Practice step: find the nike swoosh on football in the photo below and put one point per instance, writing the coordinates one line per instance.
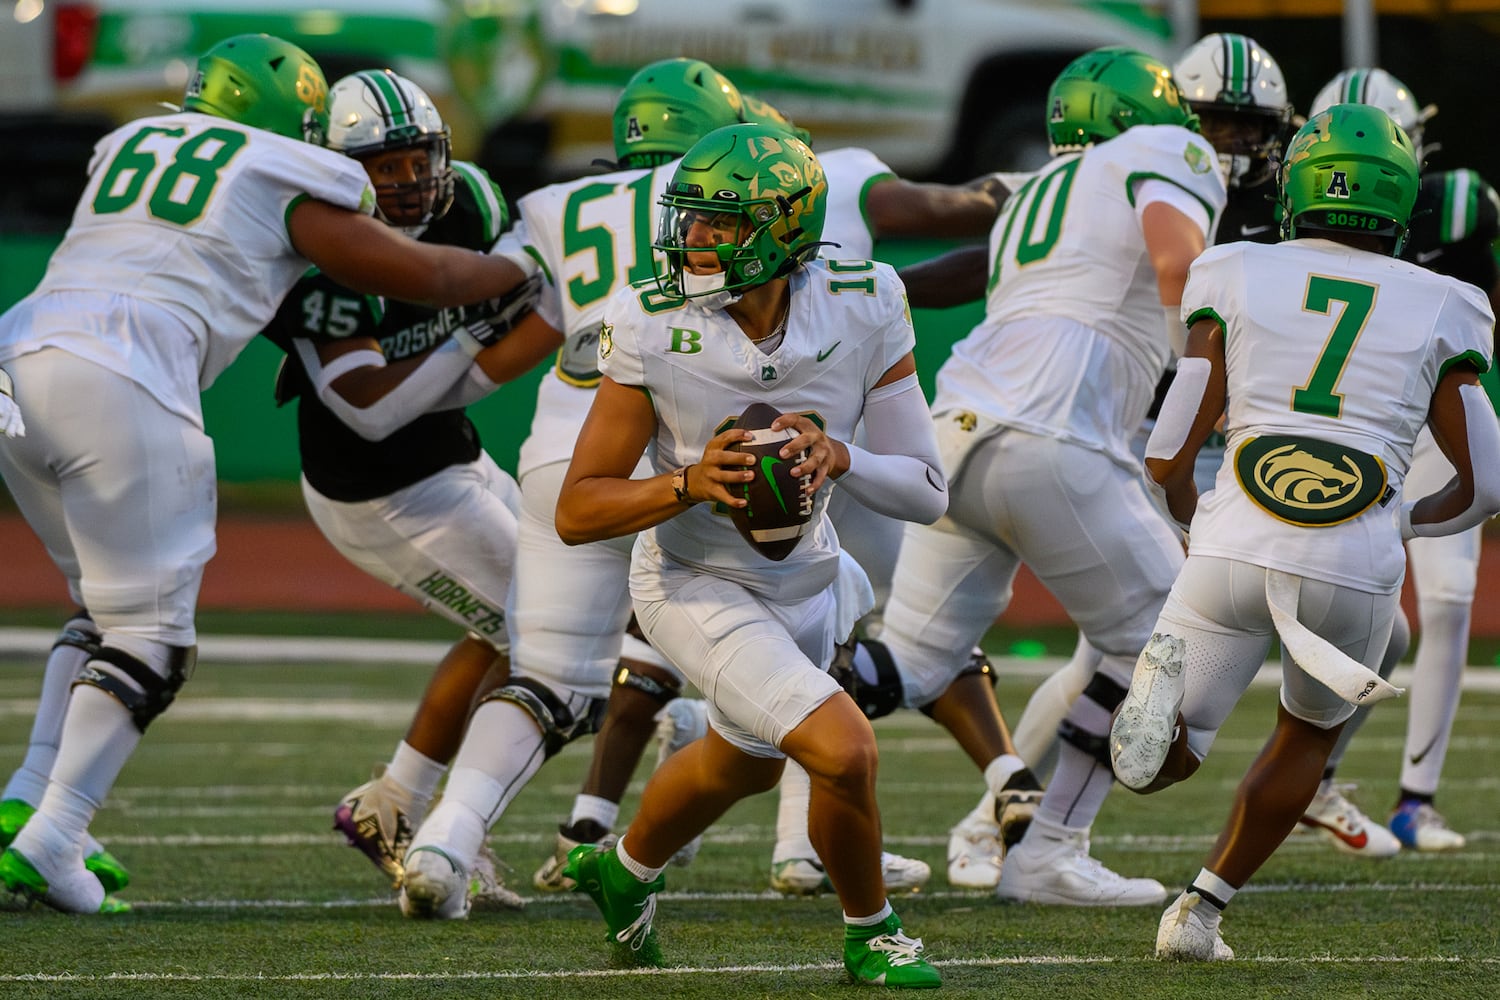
(823, 355)
(767, 469)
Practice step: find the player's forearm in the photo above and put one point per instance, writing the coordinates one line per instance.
(957, 277)
(1472, 496)
(593, 508)
(900, 475)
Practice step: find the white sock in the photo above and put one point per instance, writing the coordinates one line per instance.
(504, 747)
(870, 921)
(1213, 886)
(69, 810)
(1035, 733)
(29, 782)
(98, 737)
(998, 771)
(795, 793)
(596, 810)
(415, 772)
(1437, 682)
(634, 867)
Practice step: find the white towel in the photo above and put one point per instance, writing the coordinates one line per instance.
(1342, 674)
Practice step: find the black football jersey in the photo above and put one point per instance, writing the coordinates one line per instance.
(339, 463)
(1454, 223)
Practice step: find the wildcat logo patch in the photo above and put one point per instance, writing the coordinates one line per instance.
(1308, 482)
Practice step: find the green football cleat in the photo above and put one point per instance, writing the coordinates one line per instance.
(13, 815)
(106, 867)
(884, 956)
(20, 876)
(627, 903)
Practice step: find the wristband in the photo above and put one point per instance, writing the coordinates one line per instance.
(679, 485)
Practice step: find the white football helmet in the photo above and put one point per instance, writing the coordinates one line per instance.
(377, 111)
(1382, 90)
(1239, 95)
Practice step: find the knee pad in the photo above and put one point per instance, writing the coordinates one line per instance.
(133, 683)
(1107, 694)
(557, 722)
(662, 692)
(80, 633)
(877, 699)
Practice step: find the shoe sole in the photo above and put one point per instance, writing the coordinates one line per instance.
(1142, 733)
(425, 898)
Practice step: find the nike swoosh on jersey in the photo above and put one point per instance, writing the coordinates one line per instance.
(1428, 256)
(1254, 230)
(823, 355)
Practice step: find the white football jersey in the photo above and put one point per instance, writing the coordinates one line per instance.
(850, 171)
(593, 237)
(1338, 345)
(848, 324)
(1073, 340)
(178, 252)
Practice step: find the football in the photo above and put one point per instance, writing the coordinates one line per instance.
(778, 512)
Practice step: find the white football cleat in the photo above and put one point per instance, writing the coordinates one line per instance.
(1189, 931)
(550, 876)
(806, 877)
(487, 888)
(1046, 868)
(1343, 825)
(903, 874)
(1145, 725)
(436, 886)
(975, 854)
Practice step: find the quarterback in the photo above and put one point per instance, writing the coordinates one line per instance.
(746, 313)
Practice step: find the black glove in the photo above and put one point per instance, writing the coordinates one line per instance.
(482, 324)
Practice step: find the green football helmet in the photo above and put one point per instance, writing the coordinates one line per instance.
(1350, 169)
(771, 185)
(766, 113)
(264, 82)
(1104, 92)
(669, 105)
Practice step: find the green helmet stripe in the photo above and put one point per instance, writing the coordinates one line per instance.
(1460, 207)
(392, 103)
(1236, 65)
(1358, 80)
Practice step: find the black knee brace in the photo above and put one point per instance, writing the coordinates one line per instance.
(1107, 694)
(557, 722)
(79, 633)
(981, 665)
(625, 677)
(144, 693)
(875, 700)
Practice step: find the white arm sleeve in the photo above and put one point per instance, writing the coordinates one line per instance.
(1484, 459)
(1179, 409)
(900, 475)
(418, 393)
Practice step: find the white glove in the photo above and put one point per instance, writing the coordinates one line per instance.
(11, 424)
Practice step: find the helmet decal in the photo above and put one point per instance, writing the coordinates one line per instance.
(264, 82)
(667, 106)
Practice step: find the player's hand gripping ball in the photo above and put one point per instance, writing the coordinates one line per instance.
(778, 512)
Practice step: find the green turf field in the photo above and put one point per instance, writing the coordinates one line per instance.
(242, 890)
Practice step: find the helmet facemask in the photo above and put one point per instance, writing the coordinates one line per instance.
(752, 196)
(391, 126)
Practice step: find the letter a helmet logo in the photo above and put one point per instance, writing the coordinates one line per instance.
(1338, 185)
(633, 130)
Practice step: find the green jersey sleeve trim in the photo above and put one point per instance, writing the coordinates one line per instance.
(1151, 175)
(1480, 363)
(1208, 312)
(864, 195)
(286, 218)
